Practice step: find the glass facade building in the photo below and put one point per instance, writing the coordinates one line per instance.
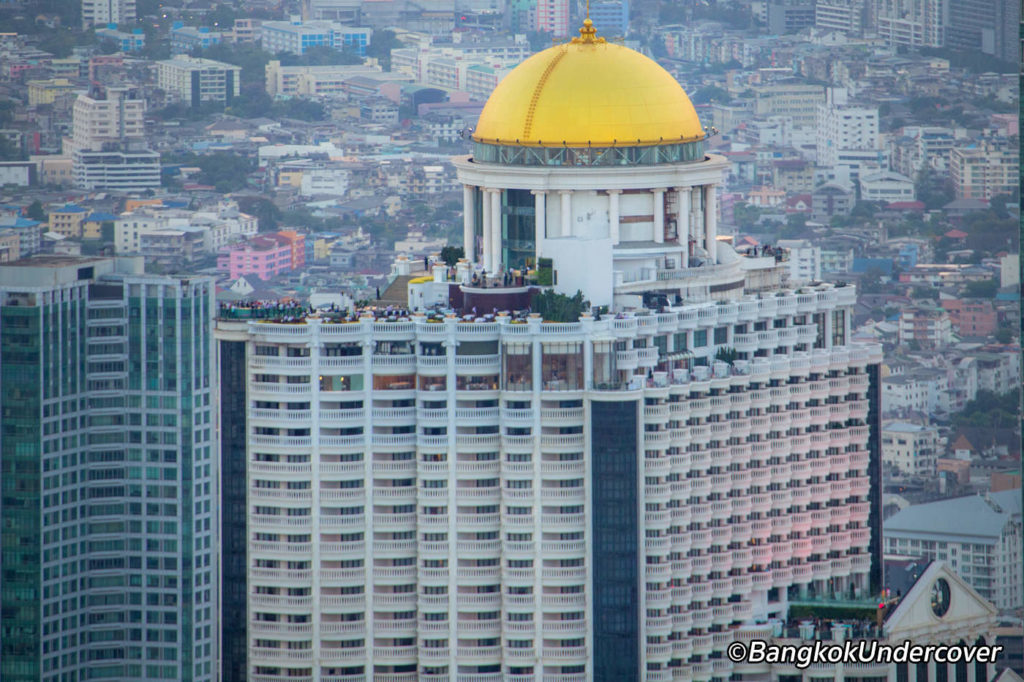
(108, 480)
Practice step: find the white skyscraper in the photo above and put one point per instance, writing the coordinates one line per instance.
(444, 495)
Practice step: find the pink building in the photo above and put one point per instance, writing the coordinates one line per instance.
(265, 256)
(552, 17)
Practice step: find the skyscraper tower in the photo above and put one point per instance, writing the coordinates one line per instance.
(107, 514)
(448, 495)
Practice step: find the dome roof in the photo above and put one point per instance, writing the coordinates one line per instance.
(588, 92)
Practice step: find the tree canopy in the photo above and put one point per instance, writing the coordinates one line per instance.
(555, 307)
(225, 171)
(990, 409)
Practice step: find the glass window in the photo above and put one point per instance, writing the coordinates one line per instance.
(517, 368)
(562, 366)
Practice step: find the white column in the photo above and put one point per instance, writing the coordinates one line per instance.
(496, 229)
(697, 216)
(486, 246)
(711, 221)
(566, 213)
(613, 215)
(540, 216)
(468, 218)
(659, 215)
(683, 222)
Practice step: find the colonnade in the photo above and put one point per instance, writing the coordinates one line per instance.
(693, 204)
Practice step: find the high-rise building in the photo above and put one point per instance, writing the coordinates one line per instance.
(788, 16)
(458, 496)
(107, 147)
(551, 16)
(847, 135)
(990, 26)
(845, 16)
(108, 514)
(611, 15)
(911, 23)
(103, 12)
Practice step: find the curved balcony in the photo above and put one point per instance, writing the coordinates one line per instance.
(782, 577)
(741, 531)
(860, 563)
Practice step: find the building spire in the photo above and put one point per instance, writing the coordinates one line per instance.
(588, 34)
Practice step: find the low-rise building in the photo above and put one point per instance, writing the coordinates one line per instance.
(924, 391)
(320, 80)
(804, 260)
(126, 41)
(46, 91)
(172, 245)
(929, 328)
(67, 220)
(978, 536)
(971, 317)
(910, 448)
(297, 36)
(185, 39)
(983, 171)
(264, 256)
(17, 173)
(10, 245)
(194, 80)
(886, 187)
(128, 170)
(998, 372)
(831, 199)
(219, 225)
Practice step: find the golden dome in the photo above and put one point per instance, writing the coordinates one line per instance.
(588, 92)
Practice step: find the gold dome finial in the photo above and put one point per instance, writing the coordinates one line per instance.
(588, 34)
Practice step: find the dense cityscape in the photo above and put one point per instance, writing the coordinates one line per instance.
(508, 340)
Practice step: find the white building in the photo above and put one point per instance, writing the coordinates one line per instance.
(220, 225)
(194, 80)
(998, 372)
(911, 23)
(107, 146)
(109, 117)
(429, 496)
(886, 187)
(921, 390)
(325, 181)
(1009, 270)
(316, 80)
(296, 36)
(804, 260)
(978, 536)
(127, 171)
(103, 12)
(910, 448)
(467, 67)
(845, 132)
(844, 16)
